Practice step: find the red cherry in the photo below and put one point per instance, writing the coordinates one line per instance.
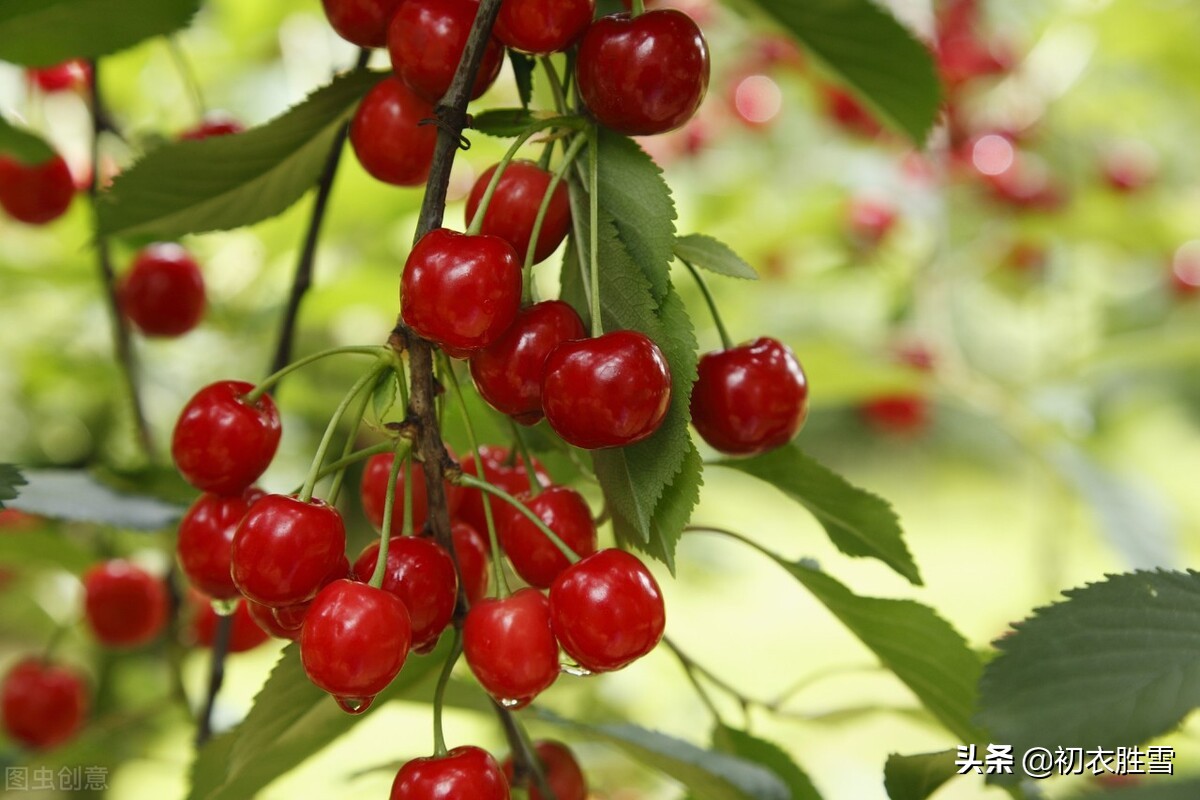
(533, 555)
(501, 469)
(284, 549)
(43, 704)
(125, 606)
(387, 137)
(609, 391)
(508, 372)
(868, 221)
(845, 110)
(1185, 270)
(421, 574)
(750, 399)
(513, 209)
(221, 444)
(355, 640)
(12, 519)
(163, 292)
(464, 772)
(426, 41)
(71, 75)
(509, 646)
(562, 771)
(474, 560)
(607, 610)
(35, 193)
(460, 292)
(215, 123)
(246, 634)
(373, 493)
(1130, 166)
(543, 26)
(643, 75)
(265, 617)
(206, 539)
(361, 22)
(897, 413)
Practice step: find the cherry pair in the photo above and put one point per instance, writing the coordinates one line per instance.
(472, 772)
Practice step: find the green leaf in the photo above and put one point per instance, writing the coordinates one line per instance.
(502, 122)
(1116, 664)
(38, 33)
(383, 398)
(226, 182)
(1167, 790)
(24, 146)
(877, 55)
(522, 67)
(917, 777)
(632, 191)
(713, 255)
(770, 755)
(73, 495)
(707, 774)
(859, 523)
(10, 479)
(43, 545)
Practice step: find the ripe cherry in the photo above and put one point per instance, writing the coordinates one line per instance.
(869, 220)
(215, 123)
(514, 206)
(284, 549)
(388, 138)
(361, 22)
(246, 633)
(460, 292)
(354, 642)
(421, 574)
(206, 539)
(373, 493)
(466, 772)
(221, 443)
(474, 560)
(125, 606)
(35, 193)
(71, 75)
(534, 557)
(897, 413)
(643, 75)
(750, 399)
(265, 617)
(562, 771)
(163, 292)
(508, 372)
(607, 610)
(43, 704)
(426, 41)
(543, 26)
(509, 646)
(500, 468)
(609, 391)
(848, 113)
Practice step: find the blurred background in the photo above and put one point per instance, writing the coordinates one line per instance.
(1001, 333)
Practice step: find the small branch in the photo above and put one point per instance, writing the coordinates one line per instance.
(526, 766)
(216, 676)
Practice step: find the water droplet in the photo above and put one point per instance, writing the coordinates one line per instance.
(509, 703)
(354, 705)
(223, 608)
(572, 668)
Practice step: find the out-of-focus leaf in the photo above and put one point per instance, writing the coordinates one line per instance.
(522, 66)
(10, 479)
(917, 777)
(74, 495)
(39, 33)
(23, 145)
(770, 755)
(708, 253)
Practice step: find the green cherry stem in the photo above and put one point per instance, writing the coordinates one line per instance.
(638, 8)
(556, 86)
(476, 483)
(361, 455)
(339, 475)
(572, 151)
(522, 450)
(266, 383)
(439, 694)
(310, 483)
(406, 526)
(712, 304)
(389, 506)
(593, 136)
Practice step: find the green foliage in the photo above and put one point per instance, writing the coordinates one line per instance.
(75, 495)
(45, 546)
(383, 396)
(917, 777)
(770, 755)
(708, 253)
(10, 479)
(1158, 790)
(226, 182)
(21, 144)
(858, 523)
(522, 67)
(502, 122)
(39, 33)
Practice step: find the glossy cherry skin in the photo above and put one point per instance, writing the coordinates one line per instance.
(535, 558)
(609, 391)
(361, 22)
(460, 292)
(508, 372)
(284, 549)
(215, 123)
(750, 399)
(355, 639)
(499, 469)
(373, 493)
(264, 617)
(388, 138)
(474, 559)
(509, 646)
(464, 772)
(422, 575)
(607, 610)
(205, 541)
(35, 193)
(513, 209)
(543, 26)
(125, 606)
(71, 75)
(643, 75)
(426, 41)
(163, 292)
(562, 772)
(246, 634)
(221, 443)
(43, 704)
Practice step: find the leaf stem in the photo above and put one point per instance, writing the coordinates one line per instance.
(726, 341)
(389, 506)
(310, 483)
(689, 669)
(594, 233)
(439, 694)
(476, 483)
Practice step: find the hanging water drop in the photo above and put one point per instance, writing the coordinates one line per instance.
(354, 705)
(223, 608)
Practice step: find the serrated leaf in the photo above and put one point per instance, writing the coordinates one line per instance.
(859, 523)
(23, 145)
(383, 397)
(10, 479)
(713, 255)
(225, 182)
(522, 67)
(1116, 664)
(770, 755)
(707, 774)
(503, 122)
(73, 495)
(877, 55)
(39, 33)
(917, 777)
